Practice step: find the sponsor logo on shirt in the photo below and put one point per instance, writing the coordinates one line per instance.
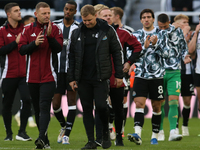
(104, 38)
(33, 35)
(9, 35)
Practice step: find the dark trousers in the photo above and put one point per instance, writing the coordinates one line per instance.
(9, 88)
(117, 96)
(41, 96)
(90, 92)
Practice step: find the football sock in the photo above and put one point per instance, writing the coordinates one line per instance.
(186, 114)
(59, 116)
(162, 115)
(173, 113)
(70, 119)
(156, 119)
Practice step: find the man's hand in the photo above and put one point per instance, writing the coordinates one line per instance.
(126, 67)
(187, 59)
(197, 28)
(176, 25)
(147, 42)
(188, 36)
(40, 39)
(186, 30)
(18, 38)
(131, 69)
(73, 85)
(153, 39)
(118, 82)
(49, 29)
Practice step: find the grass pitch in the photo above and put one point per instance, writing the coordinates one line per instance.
(78, 137)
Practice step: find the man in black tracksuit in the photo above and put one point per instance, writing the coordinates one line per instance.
(92, 45)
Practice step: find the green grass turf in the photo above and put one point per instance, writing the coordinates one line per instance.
(78, 137)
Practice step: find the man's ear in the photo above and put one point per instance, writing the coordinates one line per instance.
(35, 13)
(8, 14)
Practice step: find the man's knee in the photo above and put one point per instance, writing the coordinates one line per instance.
(45, 106)
(156, 105)
(56, 101)
(71, 98)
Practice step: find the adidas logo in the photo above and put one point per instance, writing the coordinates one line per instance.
(9, 35)
(33, 34)
(79, 39)
(178, 91)
(160, 96)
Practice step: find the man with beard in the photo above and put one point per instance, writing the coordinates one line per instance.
(149, 74)
(41, 41)
(67, 25)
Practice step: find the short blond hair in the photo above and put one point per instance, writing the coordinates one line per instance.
(99, 7)
(181, 16)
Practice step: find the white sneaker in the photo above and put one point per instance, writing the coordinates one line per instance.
(62, 133)
(31, 122)
(161, 135)
(185, 131)
(177, 130)
(17, 118)
(112, 134)
(173, 136)
(65, 140)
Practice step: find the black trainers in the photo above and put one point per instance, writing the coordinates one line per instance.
(119, 141)
(106, 143)
(39, 144)
(22, 136)
(8, 137)
(98, 142)
(90, 145)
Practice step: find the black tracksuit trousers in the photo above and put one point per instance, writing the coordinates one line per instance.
(9, 88)
(90, 92)
(41, 96)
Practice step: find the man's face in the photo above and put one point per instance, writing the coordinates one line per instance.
(69, 11)
(147, 20)
(163, 26)
(89, 20)
(183, 23)
(106, 14)
(30, 20)
(43, 15)
(15, 13)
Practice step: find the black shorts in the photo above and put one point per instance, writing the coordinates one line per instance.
(197, 79)
(62, 84)
(187, 85)
(152, 88)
